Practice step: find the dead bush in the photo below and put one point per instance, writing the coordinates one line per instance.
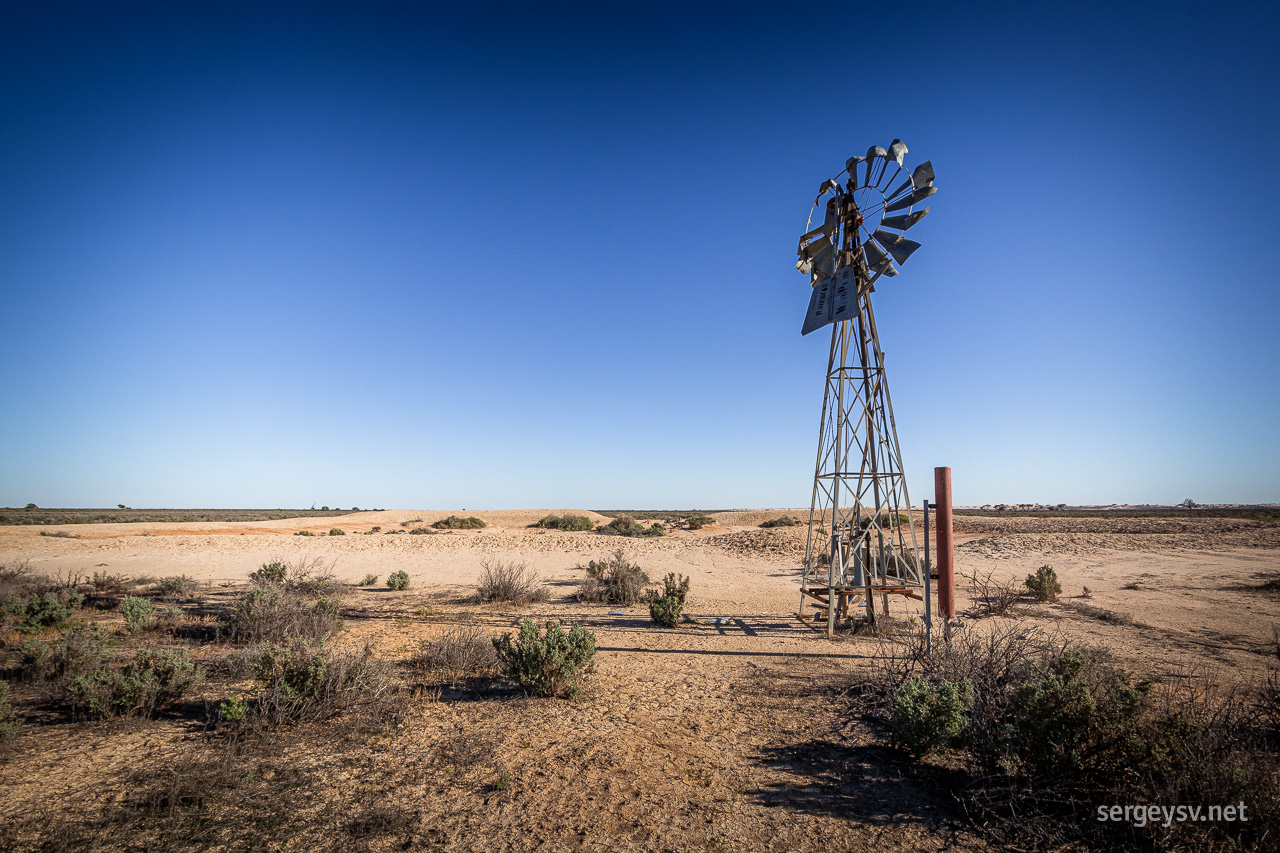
(274, 613)
(509, 581)
(613, 581)
(461, 652)
(995, 598)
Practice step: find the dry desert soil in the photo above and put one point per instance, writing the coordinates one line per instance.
(733, 731)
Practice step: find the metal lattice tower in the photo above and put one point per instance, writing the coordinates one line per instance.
(862, 539)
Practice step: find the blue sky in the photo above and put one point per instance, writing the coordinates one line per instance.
(398, 255)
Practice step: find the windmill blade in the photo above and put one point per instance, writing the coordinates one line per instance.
(923, 175)
(886, 238)
(899, 190)
(875, 257)
(824, 262)
(897, 151)
(874, 153)
(918, 196)
(851, 166)
(811, 250)
(903, 222)
(902, 249)
(885, 268)
(809, 235)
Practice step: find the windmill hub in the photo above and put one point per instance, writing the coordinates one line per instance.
(862, 537)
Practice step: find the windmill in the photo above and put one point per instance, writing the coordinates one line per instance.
(862, 538)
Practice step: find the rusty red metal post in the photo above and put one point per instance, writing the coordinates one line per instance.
(946, 551)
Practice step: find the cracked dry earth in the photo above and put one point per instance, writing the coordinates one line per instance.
(731, 736)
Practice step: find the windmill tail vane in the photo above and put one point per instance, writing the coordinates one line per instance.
(862, 537)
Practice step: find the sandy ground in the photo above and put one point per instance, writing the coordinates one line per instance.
(725, 733)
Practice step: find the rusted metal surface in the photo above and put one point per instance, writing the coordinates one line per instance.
(946, 547)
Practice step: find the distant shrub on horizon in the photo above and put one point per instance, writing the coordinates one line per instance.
(625, 525)
(784, 521)
(568, 522)
(455, 522)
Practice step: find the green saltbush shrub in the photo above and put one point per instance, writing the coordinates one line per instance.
(697, 522)
(41, 608)
(305, 681)
(334, 531)
(152, 680)
(784, 521)
(398, 580)
(665, 609)
(1044, 584)
(137, 613)
(81, 649)
(274, 572)
(551, 663)
(926, 716)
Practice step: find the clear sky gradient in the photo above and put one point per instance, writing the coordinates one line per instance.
(408, 255)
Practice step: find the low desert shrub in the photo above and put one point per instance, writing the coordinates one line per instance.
(697, 522)
(1044, 584)
(275, 572)
(304, 533)
(311, 576)
(9, 719)
(554, 662)
(926, 716)
(463, 651)
(178, 586)
(233, 710)
(369, 580)
(613, 581)
(39, 608)
(665, 609)
(566, 522)
(152, 680)
(80, 649)
(455, 522)
(1051, 728)
(421, 531)
(105, 589)
(274, 614)
(137, 613)
(625, 525)
(334, 531)
(398, 580)
(303, 681)
(509, 581)
(784, 521)
(411, 521)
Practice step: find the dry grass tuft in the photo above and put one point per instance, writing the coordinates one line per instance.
(509, 581)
